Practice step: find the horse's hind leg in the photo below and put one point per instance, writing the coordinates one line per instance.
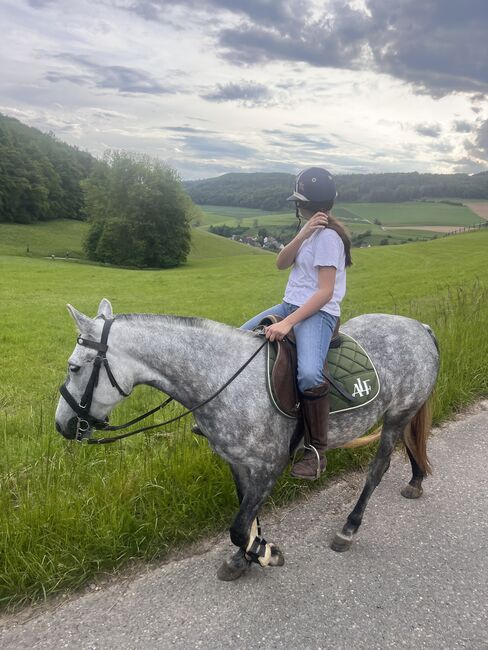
(414, 489)
(253, 488)
(391, 432)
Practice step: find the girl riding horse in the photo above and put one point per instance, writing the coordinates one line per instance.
(318, 255)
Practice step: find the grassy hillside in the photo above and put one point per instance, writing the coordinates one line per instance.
(43, 238)
(149, 494)
(66, 235)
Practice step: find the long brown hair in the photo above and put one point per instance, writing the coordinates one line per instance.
(333, 224)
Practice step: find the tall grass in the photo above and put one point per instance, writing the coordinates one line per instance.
(70, 512)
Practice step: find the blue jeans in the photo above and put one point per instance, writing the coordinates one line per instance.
(313, 336)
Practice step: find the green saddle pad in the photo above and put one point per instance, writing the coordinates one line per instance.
(351, 367)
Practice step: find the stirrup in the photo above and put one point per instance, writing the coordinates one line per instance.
(312, 448)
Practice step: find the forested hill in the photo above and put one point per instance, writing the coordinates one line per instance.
(269, 191)
(39, 175)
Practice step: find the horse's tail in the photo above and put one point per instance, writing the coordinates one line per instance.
(416, 434)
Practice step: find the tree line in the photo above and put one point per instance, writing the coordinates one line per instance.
(269, 191)
(138, 211)
(39, 175)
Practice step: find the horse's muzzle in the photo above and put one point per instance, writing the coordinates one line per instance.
(76, 429)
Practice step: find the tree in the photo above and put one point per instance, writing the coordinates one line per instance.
(139, 212)
(39, 175)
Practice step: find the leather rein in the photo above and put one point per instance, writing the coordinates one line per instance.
(82, 408)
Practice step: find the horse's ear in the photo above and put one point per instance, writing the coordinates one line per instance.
(83, 323)
(105, 309)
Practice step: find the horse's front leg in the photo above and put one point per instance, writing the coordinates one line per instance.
(253, 488)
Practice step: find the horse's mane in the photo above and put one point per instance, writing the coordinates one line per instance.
(186, 320)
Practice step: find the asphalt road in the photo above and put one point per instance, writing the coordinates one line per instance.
(416, 577)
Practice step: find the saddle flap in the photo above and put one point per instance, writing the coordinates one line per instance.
(281, 369)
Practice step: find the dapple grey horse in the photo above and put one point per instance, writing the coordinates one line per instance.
(190, 359)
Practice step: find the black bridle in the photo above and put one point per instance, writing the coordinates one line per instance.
(82, 408)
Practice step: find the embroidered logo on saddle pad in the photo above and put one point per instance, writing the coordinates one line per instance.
(348, 364)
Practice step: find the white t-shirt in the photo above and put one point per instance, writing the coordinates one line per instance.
(322, 248)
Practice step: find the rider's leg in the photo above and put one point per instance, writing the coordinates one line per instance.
(313, 337)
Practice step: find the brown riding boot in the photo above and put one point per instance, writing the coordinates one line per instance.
(315, 409)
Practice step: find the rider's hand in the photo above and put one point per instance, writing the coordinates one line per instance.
(278, 331)
(318, 221)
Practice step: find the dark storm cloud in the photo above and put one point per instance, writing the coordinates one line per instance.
(116, 77)
(247, 92)
(429, 130)
(440, 46)
(268, 12)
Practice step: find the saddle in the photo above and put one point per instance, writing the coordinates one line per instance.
(282, 367)
(348, 369)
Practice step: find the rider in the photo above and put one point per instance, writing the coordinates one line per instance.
(318, 255)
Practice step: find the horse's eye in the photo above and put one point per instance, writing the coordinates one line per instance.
(73, 368)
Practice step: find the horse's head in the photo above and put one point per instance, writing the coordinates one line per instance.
(96, 379)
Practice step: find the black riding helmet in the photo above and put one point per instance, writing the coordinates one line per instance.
(314, 185)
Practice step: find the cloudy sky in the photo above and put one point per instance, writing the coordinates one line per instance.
(213, 86)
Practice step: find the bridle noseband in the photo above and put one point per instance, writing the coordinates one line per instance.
(82, 408)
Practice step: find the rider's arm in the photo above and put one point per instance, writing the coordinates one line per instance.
(288, 254)
(321, 297)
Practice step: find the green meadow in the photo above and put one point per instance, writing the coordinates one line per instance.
(358, 217)
(70, 513)
(414, 213)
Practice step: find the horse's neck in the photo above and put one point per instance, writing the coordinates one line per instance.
(185, 358)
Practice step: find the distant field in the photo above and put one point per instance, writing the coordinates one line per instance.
(359, 217)
(414, 213)
(231, 211)
(480, 208)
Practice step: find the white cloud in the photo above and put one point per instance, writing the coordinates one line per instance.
(148, 76)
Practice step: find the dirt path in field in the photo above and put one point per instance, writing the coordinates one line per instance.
(481, 209)
(431, 228)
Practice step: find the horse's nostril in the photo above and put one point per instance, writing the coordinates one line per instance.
(58, 427)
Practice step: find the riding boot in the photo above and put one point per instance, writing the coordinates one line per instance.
(315, 407)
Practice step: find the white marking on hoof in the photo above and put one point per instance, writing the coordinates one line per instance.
(277, 557)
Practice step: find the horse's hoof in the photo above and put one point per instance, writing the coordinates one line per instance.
(228, 572)
(411, 492)
(341, 543)
(277, 557)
